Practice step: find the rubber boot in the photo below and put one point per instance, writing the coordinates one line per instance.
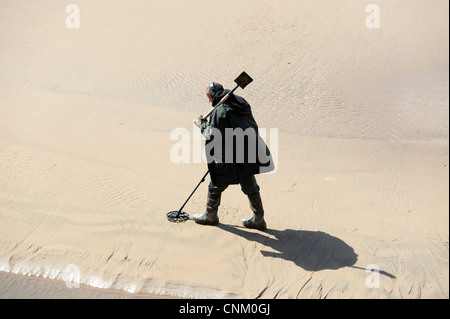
(209, 217)
(257, 221)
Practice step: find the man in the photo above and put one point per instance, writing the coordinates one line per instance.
(236, 155)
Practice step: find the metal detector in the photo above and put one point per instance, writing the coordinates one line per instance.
(179, 216)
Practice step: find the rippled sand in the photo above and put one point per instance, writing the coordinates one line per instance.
(87, 178)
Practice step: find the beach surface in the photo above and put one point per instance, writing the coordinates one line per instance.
(356, 116)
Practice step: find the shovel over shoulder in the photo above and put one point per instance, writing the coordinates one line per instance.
(241, 81)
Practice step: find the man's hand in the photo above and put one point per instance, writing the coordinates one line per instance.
(199, 121)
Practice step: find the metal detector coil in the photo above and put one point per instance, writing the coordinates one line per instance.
(176, 216)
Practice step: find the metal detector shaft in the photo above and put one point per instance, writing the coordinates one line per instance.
(201, 181)
(242, 81)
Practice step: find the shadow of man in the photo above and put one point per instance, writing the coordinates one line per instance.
(310, 250)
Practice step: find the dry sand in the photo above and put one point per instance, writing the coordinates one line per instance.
(87, 178)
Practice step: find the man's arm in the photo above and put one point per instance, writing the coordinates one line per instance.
(207, 128)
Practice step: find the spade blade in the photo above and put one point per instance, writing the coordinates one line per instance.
(243, 80)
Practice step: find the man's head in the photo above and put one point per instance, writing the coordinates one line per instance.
(212, 90)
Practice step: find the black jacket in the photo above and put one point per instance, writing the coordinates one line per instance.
(234, 149)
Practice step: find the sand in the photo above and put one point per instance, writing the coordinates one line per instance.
(357, 208)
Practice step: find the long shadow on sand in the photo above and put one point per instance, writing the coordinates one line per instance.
(310, 250)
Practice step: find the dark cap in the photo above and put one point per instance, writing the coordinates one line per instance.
(214, 88)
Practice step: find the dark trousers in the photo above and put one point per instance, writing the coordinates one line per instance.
(248, 186)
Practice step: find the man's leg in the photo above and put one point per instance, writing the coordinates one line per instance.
(209, 217)
(251, 188)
